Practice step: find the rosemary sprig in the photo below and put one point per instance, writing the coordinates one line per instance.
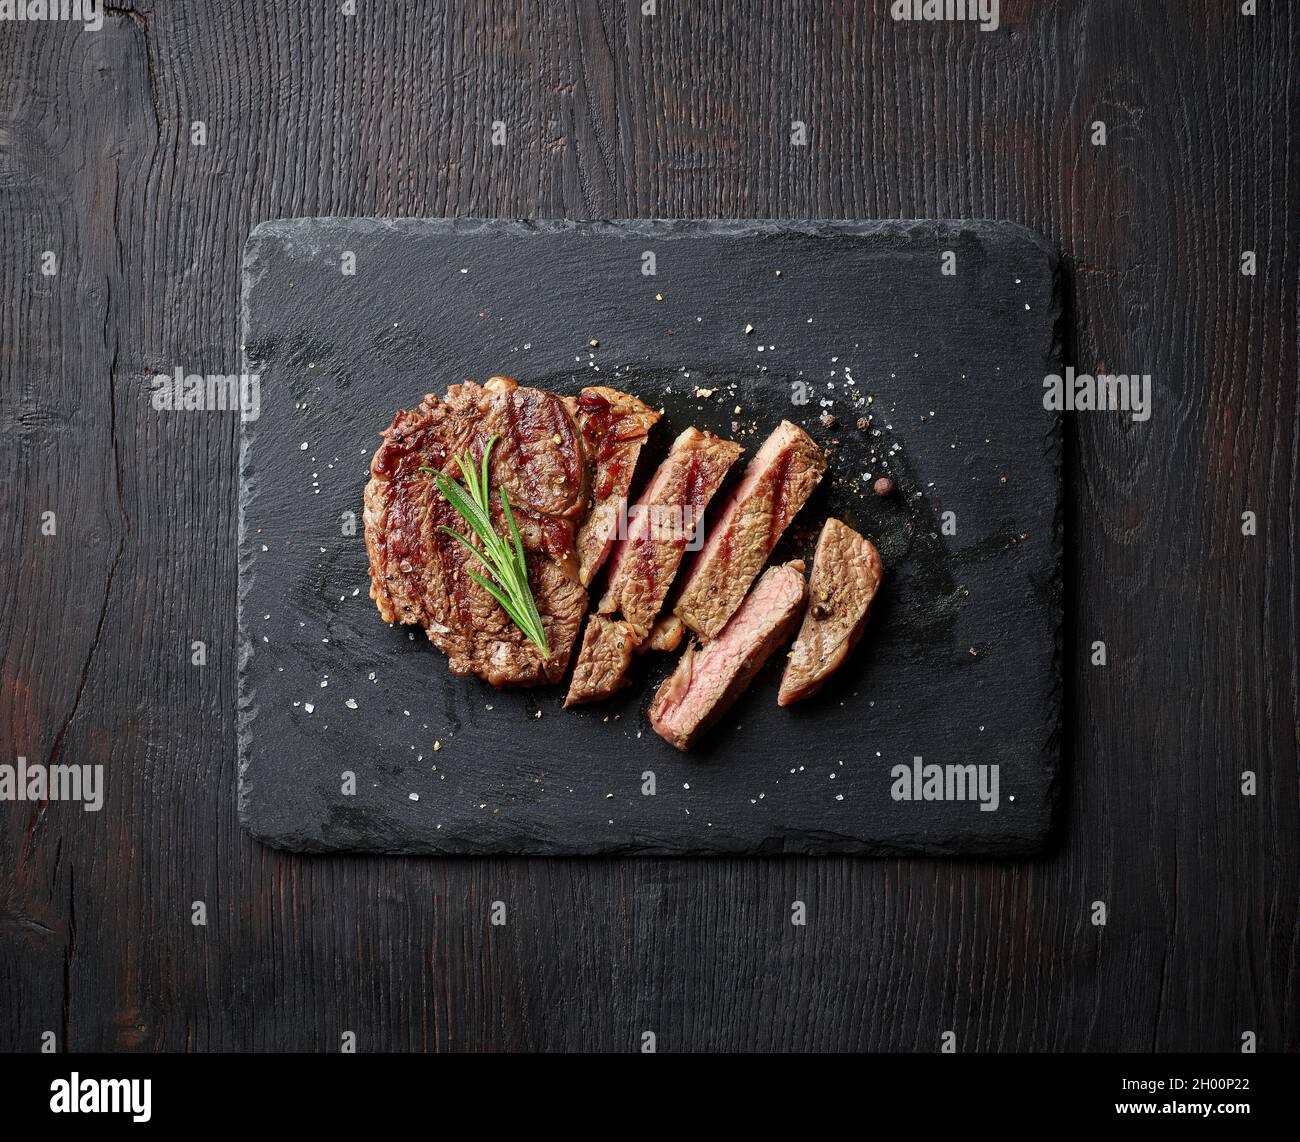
(503, 556)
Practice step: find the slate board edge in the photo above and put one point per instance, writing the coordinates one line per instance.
(1054, 447)
(1025, 843)
(657, 228)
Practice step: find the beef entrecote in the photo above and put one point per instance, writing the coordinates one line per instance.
(846, 575)
(661, 525)
(777, 483)
(614, 427)
(710, 678)
(418, 573)
(645, 561)
(601, 668)
(566, 465)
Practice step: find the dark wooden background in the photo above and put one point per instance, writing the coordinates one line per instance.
(684, 113)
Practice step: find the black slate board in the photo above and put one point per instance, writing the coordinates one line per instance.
(961, 661)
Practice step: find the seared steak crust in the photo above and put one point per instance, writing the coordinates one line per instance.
(645, 562)
(607, 646)
(662, 524)
(614, 427)
(777, 483)
(846, 575)
(709, 679)
(418, 573)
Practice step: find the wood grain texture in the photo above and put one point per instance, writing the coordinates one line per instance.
(686, 113)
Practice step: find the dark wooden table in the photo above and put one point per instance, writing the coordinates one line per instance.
(685, 113)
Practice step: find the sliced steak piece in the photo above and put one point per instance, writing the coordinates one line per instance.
(607, 647)
(778, 481)
(658, 530)
(418, 573)
(661, 525)
(710, 678)
(846, 574)
(614, 426)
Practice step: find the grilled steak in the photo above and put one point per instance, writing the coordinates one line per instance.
(658, 529)
(606, 651)
(846, 574)
(645, 562)
(614, 426)
(778, 481)
(709, 679)
(418, 573)
(662, 523)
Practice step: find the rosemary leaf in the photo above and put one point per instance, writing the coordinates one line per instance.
(501, 556)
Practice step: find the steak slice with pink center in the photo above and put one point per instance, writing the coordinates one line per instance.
(709, 679)
(846, 575)
(777, 483)
(645, 562)
(602, 664)
(661, 525)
